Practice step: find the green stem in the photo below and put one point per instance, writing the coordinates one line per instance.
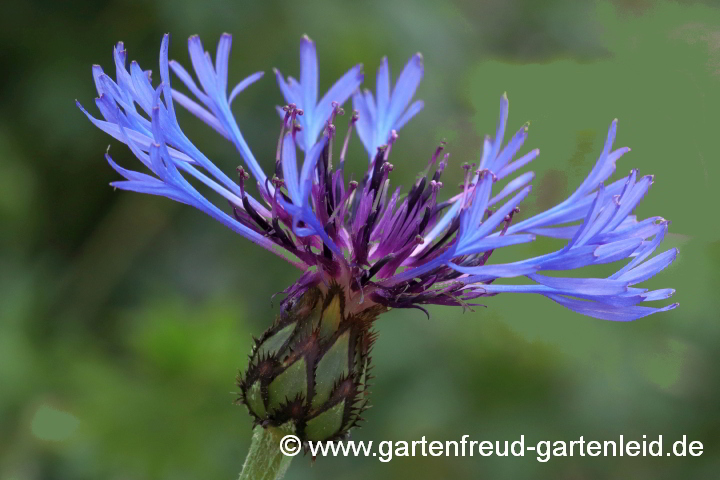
(265, 461)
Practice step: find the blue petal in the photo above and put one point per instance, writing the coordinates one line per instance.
(608, 312)
(649, 268)
(289, 166)
(499, 134)
(244, 84)
(376, 122)
(285, 89)
(364, 125)
(469, 239)
(413, 110)
(130, 174)
(662, 294)
(591, 214)
(165, 75)
(513, 185)
(185, 77)
(493, 271)
(200, 112)
(629, 201)
(383, 88)
(308, 75)
(510, 149)
(159, 189)
(585, 286)
(645, 252)
(143, 89)
(202, 66)
(517, 164)
(340, 92)
(491, 243)
(222, 57)
(618, 250)
(308, 168)
(403, 92)
(470, 219)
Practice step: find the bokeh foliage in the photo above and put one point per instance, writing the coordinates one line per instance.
(123, 318)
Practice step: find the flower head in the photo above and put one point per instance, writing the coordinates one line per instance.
(363, 246)
(382, 246)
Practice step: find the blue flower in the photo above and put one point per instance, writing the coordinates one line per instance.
(378, 119)
(304, 94)
(381, 247)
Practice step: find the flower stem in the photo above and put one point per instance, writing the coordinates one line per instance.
(264, 460)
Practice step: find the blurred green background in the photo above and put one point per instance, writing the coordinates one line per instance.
(124, 318)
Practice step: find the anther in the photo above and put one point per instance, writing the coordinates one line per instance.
(352, 186)
(485, 171)
(290, 111)
(242, 176)
(277, 181)
(330, 130)
(391, 140)
(336, 110)
(346, 142)
(467, 184)
(437, 153)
